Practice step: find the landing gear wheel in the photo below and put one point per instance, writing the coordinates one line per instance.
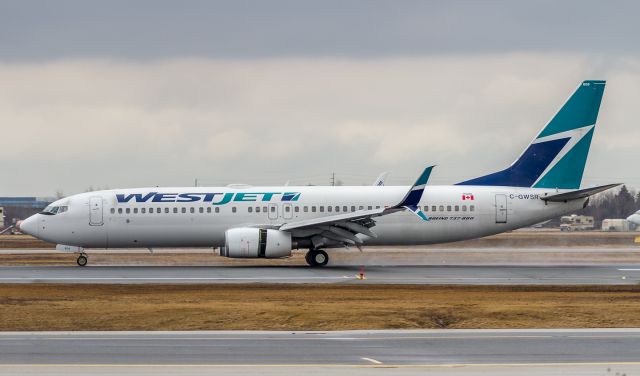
(317, 257)
(82, 260)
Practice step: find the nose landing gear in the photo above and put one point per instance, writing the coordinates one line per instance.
(82, 259)
(316, 257)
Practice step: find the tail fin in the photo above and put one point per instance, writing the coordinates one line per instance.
(557, 156)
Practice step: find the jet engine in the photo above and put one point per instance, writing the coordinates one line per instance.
(247, 242)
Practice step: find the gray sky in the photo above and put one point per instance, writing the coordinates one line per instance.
(139, 93)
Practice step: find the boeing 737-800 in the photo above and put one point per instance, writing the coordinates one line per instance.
(270, 222)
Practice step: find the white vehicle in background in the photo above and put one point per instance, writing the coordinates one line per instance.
(576, 223)
(615, 224)
(270, 222)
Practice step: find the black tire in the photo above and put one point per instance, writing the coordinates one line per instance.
(309, 259)
(82, 260)
(320, 258)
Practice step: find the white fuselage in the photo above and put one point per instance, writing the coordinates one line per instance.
(199, 217)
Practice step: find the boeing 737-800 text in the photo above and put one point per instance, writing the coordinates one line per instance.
(270, 222)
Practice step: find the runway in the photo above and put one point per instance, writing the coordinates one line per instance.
(359, 352)
(475, 275)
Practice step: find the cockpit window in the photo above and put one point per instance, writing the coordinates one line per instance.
(53, 210)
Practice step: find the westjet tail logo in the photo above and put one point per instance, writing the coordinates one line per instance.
(218, 198)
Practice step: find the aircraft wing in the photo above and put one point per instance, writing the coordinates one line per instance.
(342, 229)
(578, 193)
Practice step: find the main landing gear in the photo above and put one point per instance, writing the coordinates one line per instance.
(316, 257)
(82, 259)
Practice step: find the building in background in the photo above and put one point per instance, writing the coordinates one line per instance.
(1, 218)
(16, 208)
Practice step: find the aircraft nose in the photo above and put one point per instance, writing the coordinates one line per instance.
(28, 226)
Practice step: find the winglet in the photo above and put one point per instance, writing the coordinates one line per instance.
(412, 198)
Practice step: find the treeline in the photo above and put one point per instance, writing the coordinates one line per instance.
(612, 204)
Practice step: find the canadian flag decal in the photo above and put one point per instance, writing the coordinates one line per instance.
(467, 196)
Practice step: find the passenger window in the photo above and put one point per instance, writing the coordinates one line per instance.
(264, 209)
(135, 210)
(456, 208)
(353, 208)
(313, 209)
(128, 210)
(273, 209)
(433, 208)
(361, 207)
(377, 206)
(113, 210)
(208, 209)
(471, 207)
(296, 209)
(448, 207)
(175, 210)
(217, 209)
(119, 210)
(233, 209)
(345, 209)
(184, 210)
(464, 208)
(143, 210)
(321, 209)
(192, 210)
(426, 208)
(250, 209)
(257, 209)
(201, 209)
(305, 209)
(337, 209)
(166, 210)
(370, 207)
(441, 208)
(329, 209)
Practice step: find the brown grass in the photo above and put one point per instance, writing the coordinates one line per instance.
(313, 307)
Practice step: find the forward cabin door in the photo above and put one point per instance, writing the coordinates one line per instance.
(95, 211)
(501, 208)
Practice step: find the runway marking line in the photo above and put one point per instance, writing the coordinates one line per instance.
(629, 270)
(374, 361)
(73, 338)
(345, 365)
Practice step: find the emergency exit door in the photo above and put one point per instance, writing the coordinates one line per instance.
(501, 208)
(95, 211)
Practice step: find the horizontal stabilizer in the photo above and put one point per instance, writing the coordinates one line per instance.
(579, 193)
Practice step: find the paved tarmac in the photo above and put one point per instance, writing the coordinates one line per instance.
(349, 352)
(478, 275)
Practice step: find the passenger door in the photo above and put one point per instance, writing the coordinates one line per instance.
(95, 211)
(501, 208)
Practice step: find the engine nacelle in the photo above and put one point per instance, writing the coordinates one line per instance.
(247, 242)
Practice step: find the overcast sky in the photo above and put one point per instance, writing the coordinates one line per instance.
(144, 93)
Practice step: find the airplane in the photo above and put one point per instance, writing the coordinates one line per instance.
(634, 218)
(270, 222)
(379, 182)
